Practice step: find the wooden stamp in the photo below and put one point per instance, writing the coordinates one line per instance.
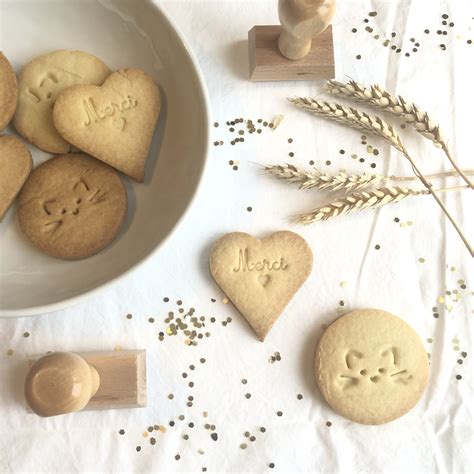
(63, 382)
(300, 49)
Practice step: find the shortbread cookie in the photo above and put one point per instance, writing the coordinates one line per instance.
(15, 166)
(8, 92)
(261, 276)
(40, 82)
(371, 367)
(115, 122)
(72, 206)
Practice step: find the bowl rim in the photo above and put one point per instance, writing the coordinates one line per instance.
(75, 300)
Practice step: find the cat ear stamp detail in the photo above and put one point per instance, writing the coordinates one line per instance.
(72, 206)
(260, 277)
(114, 122)
(371, 367)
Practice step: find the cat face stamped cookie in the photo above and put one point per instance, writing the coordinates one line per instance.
(261, 276)
(114, 122)
(371, 367)
(40, 82)
(72, 206)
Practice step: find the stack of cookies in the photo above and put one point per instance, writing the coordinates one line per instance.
(95, 121)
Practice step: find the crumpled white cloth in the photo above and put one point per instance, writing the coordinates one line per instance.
(436, 436)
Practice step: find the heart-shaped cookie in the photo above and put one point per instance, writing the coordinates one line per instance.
(261, 276)
(8, 91)
(113, 122)
(15, 166)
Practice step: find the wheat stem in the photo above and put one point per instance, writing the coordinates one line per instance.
(379, 97)
(376, 126)
(444, 174)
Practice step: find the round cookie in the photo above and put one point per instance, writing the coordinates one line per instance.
(72, 206)
(40, 82)
(370, 366)
(8, 92)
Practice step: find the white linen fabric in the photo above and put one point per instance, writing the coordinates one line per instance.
(401, 258)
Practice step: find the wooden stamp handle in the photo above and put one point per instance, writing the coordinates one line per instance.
(302, 20)
(60, 382)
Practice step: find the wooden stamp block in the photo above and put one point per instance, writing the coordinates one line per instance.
(266, 63)
(122, 378)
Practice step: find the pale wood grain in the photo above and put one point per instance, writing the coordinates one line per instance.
(267, 64)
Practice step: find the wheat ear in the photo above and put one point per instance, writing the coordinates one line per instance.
(322, 181)
(379, 97)
(357, 202)
(376, 126)
(349, 182)
(363, 200)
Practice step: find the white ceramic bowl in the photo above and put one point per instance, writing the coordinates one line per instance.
(124, 33)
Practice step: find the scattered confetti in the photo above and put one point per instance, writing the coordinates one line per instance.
(276, 357)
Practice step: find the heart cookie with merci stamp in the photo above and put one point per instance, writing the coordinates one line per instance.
(113, 122)
(260, 277)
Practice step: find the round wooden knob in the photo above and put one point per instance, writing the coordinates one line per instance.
(60, 383)
(302, 20)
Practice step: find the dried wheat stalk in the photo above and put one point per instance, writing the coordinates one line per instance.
(353, 117)
(376, 126)
(342, 180)
(322, 181)
(364, 200)
(357, 202)
(377, 96)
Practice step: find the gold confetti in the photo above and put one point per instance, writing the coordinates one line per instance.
(225, 300)
(421, 260)
(10, 352)
(441, 299)
(343, 284)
